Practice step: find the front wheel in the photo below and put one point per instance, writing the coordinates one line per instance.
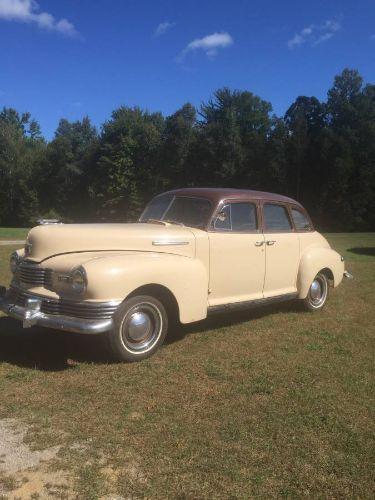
(140, 327)
(318, 293)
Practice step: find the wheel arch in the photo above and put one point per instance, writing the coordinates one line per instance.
(328, 274)
(162, 293)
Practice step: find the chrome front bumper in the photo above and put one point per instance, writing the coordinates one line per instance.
(30, 314)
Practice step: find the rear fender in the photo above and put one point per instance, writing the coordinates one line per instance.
(315, 260)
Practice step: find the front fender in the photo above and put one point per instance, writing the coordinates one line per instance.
(313, 261)
(115, 277)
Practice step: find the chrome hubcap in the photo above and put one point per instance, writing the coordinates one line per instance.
(318, 291)
(141, 327)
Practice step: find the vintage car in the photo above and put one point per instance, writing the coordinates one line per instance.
(193, 252)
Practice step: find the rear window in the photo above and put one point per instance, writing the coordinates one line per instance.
(300, 220)
(276, 218)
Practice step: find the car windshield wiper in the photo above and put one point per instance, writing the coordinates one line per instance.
(154, 221)
(161, 221)
(173, 222)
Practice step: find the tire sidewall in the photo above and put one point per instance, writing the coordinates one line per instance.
(117, 344)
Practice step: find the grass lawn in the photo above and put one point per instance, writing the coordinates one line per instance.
(270, 403)
(13, 233)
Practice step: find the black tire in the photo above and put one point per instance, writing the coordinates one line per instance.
(140, 327)
(318, 293)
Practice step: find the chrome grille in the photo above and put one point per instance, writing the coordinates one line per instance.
(33, 274)
(63, 307)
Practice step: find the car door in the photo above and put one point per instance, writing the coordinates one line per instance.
(282, 250)
(237, 254)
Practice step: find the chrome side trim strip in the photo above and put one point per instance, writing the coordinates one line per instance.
(158, 243)
(248, 304)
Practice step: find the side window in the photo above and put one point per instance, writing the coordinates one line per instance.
(244, 217)
(276, 218)
(300, 220)
(237, 217)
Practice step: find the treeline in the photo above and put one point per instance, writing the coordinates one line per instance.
(321, 153)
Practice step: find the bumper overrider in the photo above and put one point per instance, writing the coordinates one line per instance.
(70, 316)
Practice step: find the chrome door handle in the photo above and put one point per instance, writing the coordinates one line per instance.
(271, 242)
(259, 243)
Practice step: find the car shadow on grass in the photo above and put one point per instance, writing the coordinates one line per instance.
(363, 251)
(232, 318)
(48, 350)
(52, 350)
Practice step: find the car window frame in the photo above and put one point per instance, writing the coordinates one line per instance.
(303, 212)
(275, 231)
(229, 201)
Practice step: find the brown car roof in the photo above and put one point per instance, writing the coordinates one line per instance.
(215, 195)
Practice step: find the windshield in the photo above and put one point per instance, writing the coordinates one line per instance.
(193, 212)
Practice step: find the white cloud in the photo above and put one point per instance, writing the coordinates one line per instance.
(315, 34)
(296, 40)
(27, 11)
(210, 44)
(163, 28)
(372, 37)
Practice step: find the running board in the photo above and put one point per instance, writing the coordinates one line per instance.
(249, 304)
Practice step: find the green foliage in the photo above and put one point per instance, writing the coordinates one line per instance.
(234, 132)
(21, 148)
(65, 168)
(179, 143)
(127, 168)
(321, 153)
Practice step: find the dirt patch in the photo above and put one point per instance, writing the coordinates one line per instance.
(15, 455)
(40, 484)
(24, 472)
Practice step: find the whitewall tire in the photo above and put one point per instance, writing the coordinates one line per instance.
(140, 327)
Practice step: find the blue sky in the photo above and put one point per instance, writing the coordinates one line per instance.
(75, 57)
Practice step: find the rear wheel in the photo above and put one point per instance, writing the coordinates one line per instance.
(140, 327)
(318, 293)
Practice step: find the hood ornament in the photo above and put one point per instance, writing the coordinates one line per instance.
(47, 222)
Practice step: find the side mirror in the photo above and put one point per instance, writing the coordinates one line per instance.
(222, 221)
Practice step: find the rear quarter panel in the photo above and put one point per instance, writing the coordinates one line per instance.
(315, 255)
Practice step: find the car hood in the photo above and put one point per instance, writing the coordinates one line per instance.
(50, 240)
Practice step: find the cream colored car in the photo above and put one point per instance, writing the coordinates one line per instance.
(193, 252)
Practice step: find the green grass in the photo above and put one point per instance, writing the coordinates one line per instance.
(273, 403)
(13, 233)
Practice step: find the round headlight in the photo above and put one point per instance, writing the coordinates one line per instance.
(14, 262)
(79, 281)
